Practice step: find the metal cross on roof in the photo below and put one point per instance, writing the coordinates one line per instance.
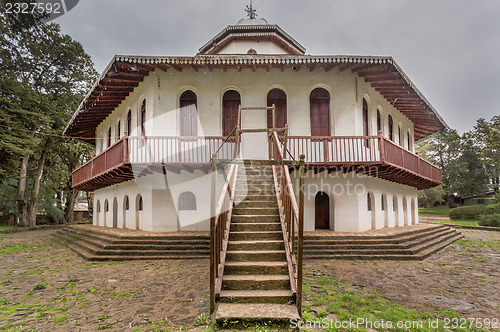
(250, 11)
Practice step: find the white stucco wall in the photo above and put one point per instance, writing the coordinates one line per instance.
(348, 201)
(261, 47)
(162, 91)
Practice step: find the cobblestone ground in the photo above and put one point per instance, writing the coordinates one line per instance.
(464, 277)
(46, 287)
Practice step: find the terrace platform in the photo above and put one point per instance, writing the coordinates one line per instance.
(414, 242)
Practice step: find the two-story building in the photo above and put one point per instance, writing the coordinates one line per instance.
(156, 121)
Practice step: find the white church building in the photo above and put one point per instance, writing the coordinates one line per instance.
(156, 121)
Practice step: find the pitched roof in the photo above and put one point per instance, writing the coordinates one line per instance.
(124, 73)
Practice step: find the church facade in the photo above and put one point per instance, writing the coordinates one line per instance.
(157, 121)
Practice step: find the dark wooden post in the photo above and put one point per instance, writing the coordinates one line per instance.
(301, 234)
(212, 235)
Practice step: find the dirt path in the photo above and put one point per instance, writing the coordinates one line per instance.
(45, 286)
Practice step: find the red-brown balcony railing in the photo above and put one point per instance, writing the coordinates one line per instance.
(323, 150)
(360, 150)
(149, 150)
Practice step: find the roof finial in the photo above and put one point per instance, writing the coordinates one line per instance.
(250, 11)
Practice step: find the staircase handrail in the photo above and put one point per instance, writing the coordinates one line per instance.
(291, 216)
(219, 227)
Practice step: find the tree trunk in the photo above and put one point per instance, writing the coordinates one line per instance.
(70, 205)
(22, 202)
(33, 206)
(90, 205)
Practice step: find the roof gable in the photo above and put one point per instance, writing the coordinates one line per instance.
(254, 34)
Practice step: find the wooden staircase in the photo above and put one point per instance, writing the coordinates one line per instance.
(256, 279)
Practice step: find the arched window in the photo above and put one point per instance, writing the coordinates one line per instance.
(400, 136)
(230, 104)
(109, 137)
(106, 206)
(139, 204)
(129, 122)
(369, 201)
(278, 98)
(118, 129)
(391, 127)
(365, 117)
(143, 118)
(319, 101)
(383, 202)
(126, 203)
(189, 114)
(379, 122)
(187, 201)
(408, 137)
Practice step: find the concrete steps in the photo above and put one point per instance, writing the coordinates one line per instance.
(256, 282)
(95, 245)
(413, 245)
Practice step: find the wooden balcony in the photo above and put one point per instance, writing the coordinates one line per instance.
(371, 155)
(133, 157)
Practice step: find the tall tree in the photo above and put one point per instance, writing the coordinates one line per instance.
(486, 136)
(43, 77)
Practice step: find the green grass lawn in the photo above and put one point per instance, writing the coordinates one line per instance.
(459, 222)
(437, 211)
(6, 227)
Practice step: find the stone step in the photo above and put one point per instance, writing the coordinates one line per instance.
(255, 218)
(267, 197)
(262, 210)
(255, 281)
(313, 237)
(94, 248)
(257, 204)
(246, 236)
(253, 227)
(381, 245)
(255, 255)
(276, 267)
(91, 257)
(256, 296)
(256, 311)
(255, 245)
(178, 236)
(103, 242)
(423, 252)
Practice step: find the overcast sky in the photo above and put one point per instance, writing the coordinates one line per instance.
(449, 48)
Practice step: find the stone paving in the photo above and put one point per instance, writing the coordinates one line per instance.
(46, 287)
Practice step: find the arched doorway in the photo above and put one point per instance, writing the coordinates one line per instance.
(320, 112)
(189, 114)
(278, 98)
(413, 214)
(370, 205)
(139, 206)
(395, 208)
(322, 211)
(126, 207)
(98, 212)
(115, 213)
(405, 211)
(230, 104)
(384, 208)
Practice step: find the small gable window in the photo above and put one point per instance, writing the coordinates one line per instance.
(252, 51)
(187, 201)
